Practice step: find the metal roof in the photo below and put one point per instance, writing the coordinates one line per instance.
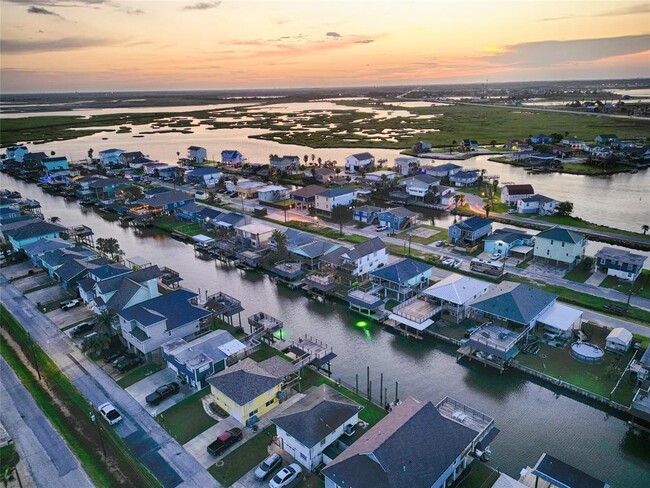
(561, 234)
(457, 289)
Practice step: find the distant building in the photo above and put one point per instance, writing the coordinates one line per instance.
(421, 147)
(464, 178)
(16, 152)
(197, 154)
(357, 161)
(443, 170)
(284, 164)
(56, 163)
(541, 139)
(366, 214)
(398, 218)
(506, 242)
(537, 204)
(419, 185)
(255, 235)
(573, 143)
(127, 157)
(326, 201)
(32, 232)
(209, 177)
(232, 157)
(272, 193)
(110, 157)
(380, 175)
(469, 144)
(406, 165)
(305, 197)
(606, 139)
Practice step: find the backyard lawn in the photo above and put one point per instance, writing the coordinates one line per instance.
(439, 234)
(187, 419)
(581, 272)
(138, 373)
(480, 476)
(641, 285)
(578, 222)
(171, 224)
(244, 458)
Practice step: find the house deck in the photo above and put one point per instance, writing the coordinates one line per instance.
(417, 310)
(463, 414)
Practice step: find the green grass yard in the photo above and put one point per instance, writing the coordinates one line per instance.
(578, 222)
(641, 285)
(480, 476)
(582, 272)
(138, 373)
(187, 419)
(171, 224)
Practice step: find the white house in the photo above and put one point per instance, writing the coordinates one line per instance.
(312, 424)
(329, 199)
(406, 165)
(360, 160)
(537, 204)
(114, 289)
(454, 292)
(272, 193)
(366, 257)
(620, 263)
(148, 325)
(255, 235)
(573, 143)
(197, 154)
(464, 178)
(511, 194)
(420, 185)
(618, 340)
(560, 246)
(379, 175)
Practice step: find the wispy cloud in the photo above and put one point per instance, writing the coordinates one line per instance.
(333, 34)
(202, 6)
(61, 3)
(364, 41)
(8, 46)
(42, 11)
(639, 9)
(557, 53)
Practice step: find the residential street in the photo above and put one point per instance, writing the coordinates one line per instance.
(149, 442)
(48, 457)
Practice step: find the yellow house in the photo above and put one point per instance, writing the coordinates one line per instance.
(246, 390)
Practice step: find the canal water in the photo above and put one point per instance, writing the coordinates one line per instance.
(533, 419)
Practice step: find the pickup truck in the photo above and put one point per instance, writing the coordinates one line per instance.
(162, 392)
(224, 441)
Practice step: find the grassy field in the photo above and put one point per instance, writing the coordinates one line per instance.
(67, 409)
(171, 224)
(244, 458)
(578, 222)
(641, 286)
(581, 272)
(187, 419)
(324, 231)
(138, 373)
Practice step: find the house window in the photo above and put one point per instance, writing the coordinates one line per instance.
(563, 244)
(303, 456)
(548, 252)
(270, 402)
(254, 412)
(322, 443)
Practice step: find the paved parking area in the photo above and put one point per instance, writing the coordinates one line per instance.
(47, 295)
(249, 479)
(197, 447)
(147, 385)
(16, 270)
(546, 269)
(33, 281)
(65, 318)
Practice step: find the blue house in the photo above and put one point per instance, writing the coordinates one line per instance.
(505, 242)
(54, 259)
(402, 279)
(230, 157)
(32, 232)
(58, 163)
(197, 154)
(37, 249)
(469, 232)
(397, 218)
(168, 200)
(104, 188)
(17, 152)
(541, 139)
(366, 214)
(110, 157)
(7, 214)
(196, 360)
(208, 177)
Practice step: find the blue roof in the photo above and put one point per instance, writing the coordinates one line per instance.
(209, 213)
(174, 306)
(336, 192)
(45, 245)
(203, 171)
(229, 153)
(232, 218)
(466, 174)
(110, 270)
(315, 248)
(402, 271)
(55, 159)
(110, 151)
(473, 223)
(445, 167)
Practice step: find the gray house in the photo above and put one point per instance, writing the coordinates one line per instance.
(469, 232)
(620, 263)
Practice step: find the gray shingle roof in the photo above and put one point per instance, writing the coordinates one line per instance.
(34, 229)
(244, 381)
(363, 155)
(321, 412)
(538, 198)
(365, 248)
(562, 235)
(473, 223)
(411, 447)
(621, 255)
(139, 276)
(402, 270)
(174, 306)
(525, 189)
(161, 199)
(308, 191)
(517, 302)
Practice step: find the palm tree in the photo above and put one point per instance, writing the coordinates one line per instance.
(90, 154)
(55, 219)
(487, 207)
(104, 321)
(645, 228)
(178, 154)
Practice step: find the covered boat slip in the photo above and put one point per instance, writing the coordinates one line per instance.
(413, 316)
(551, 472)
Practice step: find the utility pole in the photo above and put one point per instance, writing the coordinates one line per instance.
(31, 346)
(93, 418)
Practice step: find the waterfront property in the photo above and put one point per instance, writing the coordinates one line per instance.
(619, 262)
(16, 152)
(401, 279)
(36, 250)
(308, 427)
(606, 139)
(366, 214)
(168, 201)
(573, 143)
(231, 157)
(394, 451)
(55, 163)
(255, 235)
(541, 139)
(305, 197)
(115, 287)
(249, 389)
(398, 218)
(193, 361)
(560, 320)
(470, 232)
(105, 188)
(360, 161)
(406, 165)
(126, 158)
(207, 177)
(443, 170)
(247, 188)
(52, 260)
(506, 242)
(272, 193)
(110, 157)
(32, 232)
(149, 324)
(454, 292)
(536, 204)
(359, 260)
(469, 144)
(560, 246)
(551, 472)
(380, 176)
(619, 340)
(511, 194)
(327, 200)
(284, 164)
(197, 154)
(420, 185)
(464, 178)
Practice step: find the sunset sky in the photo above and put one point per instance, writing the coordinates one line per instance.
(98, 45)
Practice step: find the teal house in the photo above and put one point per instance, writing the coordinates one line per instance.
(18, 238)
(58, 163)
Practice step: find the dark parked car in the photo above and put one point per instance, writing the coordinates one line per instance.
(126, 364)
(224, 441)
(122, 357)
(82, 329)
(162, 392)
(113, 354)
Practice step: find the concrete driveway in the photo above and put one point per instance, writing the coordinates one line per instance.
(17, 270)
(65, 318)
(249, 479)
(197, 447)
(32, 281)
(47, 295)
(147, 385)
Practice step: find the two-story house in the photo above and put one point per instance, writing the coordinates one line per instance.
(541, 139)
(284, 164)
(360, 161)
(55, 163)
(401, 279)
(313, 423)
(366, 214)
(443, 170)
(537, 204)
(620, 263)
(207, 177)
(505, 242)
(255, 235)
(417, 445)
(470, 232)
(510, 194)
(127, 157)
(147, 325)
(397, 218)
(32, 232)
(464, 178)
(305, 197)
(327, 200)
(560, 246)
(110, 157)
(420, 185)
(168, 201)
(197, 154)
(573, 143)
(405, 165)
(104, 188)
(116, 288)
(606, 138)
(16, 152)
(230, 157)
(365, 258)
(272, 193)
(248, 390)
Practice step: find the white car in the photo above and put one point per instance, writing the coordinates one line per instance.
(381, 228)
(110, 414)
(267, 466)
(456, 263)
(67, 305)
(201, 195)
(285, 476)
(439, 243)
(448, 262)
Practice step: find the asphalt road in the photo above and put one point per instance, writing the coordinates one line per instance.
(148, 441)
(48, 457)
